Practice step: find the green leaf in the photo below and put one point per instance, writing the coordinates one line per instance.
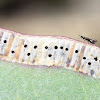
(29, 83)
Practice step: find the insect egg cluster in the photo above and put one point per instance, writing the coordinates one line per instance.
(50, 51)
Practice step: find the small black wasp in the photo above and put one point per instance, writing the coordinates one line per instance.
(88, 39)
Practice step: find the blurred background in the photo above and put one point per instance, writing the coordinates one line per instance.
(69, 18)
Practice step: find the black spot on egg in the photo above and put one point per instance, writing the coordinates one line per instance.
(46, 47)
(96, 59)
(28, 54)
(61, 47)
(12, 51)
(84, 58)
(5, 41)
(66, 49)
(50, 55)
(76, 51)
(89, 63)
(35, 46)
(22, 60)
(56, 47)
(33, 61)
(25, 46)
(92, 72)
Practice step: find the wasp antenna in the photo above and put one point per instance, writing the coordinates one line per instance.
(79, 36)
